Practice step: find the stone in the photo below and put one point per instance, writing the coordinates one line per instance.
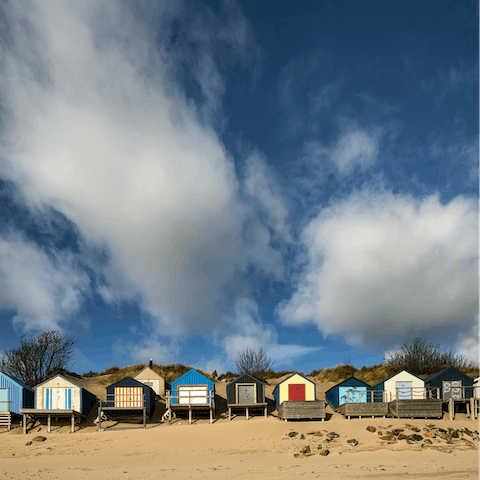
(39, 438)
(28, 443)
(397, 431)
(402, 436)
(352, 442)
(371, 429)
(442, 430)
(380, 433)
(318, 434)
(468, 443)
(427, 440)
(409, 426)
(430, 425)
(324, 453)
(320, 446)
(388, 438)
(429, 434)
(455, 434)
(445, 436)
(302, 437)
(333, 435)
(292, 434)
(416, 438)
(306, 450)
(415, 429)
(296, 455)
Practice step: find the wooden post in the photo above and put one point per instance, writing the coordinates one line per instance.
(100, 417)
(266, 412)
(247, 412)
(144, 418)
(229, 414)
(189, 415)
(468, 410)
(49, 423)
(73, 422)
(438, 393)
(472, 409)
(211, 416)
(24, 424)
(450, 408)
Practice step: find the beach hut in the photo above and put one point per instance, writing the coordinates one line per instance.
(354, 398)
(59, 397)
(296, 397)
(149, 377)
(14, 395)
(129, 394)
(450, 382)
(246, 392)
(191, 391)
(407, 396)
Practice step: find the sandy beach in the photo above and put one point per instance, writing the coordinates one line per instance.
(257, 448)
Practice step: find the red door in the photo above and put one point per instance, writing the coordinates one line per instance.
(296, 392)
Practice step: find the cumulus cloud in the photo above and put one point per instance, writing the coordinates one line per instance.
(45, 290)
(97, 128)
(381, 266)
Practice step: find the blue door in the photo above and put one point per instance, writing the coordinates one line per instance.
(352, 395)
(48, 398)
(4, 405)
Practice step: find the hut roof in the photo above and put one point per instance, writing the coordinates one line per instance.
(396, 373)
(58, 375)
(148, 368)
(245, 375)
(196, 376)
(130, 381)
(346, 380)
(438, 374)
(16, 380)
(290, 376)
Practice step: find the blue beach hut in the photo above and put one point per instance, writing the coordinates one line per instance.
(14, 394)
(351, 390)
(194, 387)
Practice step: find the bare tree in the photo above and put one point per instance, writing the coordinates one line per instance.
(423, 357)
(38, 358)
(256, 363)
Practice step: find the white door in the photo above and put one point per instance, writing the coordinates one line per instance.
(193, 395)
(404, 390)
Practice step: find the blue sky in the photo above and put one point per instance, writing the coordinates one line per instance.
(183, 180)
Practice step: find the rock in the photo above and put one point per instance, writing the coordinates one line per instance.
(430, 425)
(468, 443)
(333, 435)
(306, 450)
(324, 453)
(455, 434)
(415, 429)
(402, 437)
(388, 438)
(442, 430)
(445, 436)
(397, 431)
(39, 438)
(371, 429)
(415, 437)
(296, 455)
(302, 437)
(318, 434)
(352, 442)
(429, 434)
(409, 426)
(427, 440)
(28, 443)
(380, 433)
(292, 434)
(320, 446)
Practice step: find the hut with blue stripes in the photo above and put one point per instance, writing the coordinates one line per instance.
(14, 395)
(191, 391)
(60, 393)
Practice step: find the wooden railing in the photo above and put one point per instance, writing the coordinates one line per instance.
(416, 393)
(366, 396)
(460, 392)
(180, 399)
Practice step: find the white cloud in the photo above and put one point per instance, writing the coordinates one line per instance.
(382, 265)
(355, 148)
(97, 129)
(44, 290)
(261, 184)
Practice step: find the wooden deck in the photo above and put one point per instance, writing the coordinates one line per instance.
(247, 408)
(364, 409)
(39, 413)
(302, 410)
(413, 408)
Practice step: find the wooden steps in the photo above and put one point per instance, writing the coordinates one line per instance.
(6, 420)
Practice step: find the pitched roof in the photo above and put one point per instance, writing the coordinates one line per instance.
(58, 375)
(242, 375)
(16, 380)
(396, 373)
(353, 376)
(151, 369)
(290, 376)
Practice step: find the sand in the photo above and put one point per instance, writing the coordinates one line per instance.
(257, 448)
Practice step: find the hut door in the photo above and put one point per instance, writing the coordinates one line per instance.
(4, 405)
(404, 390)
(449, 390)
(128, 397)
(246, 394)
(296, 393)
(193, 395)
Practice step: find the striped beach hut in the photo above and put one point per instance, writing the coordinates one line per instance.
(60, 393)
(192, 388)
(449, 381)
(14, 394)
(129, 393)
(246, 392)
(350, 390)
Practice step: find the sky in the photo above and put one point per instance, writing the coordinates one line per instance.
(183, 180)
